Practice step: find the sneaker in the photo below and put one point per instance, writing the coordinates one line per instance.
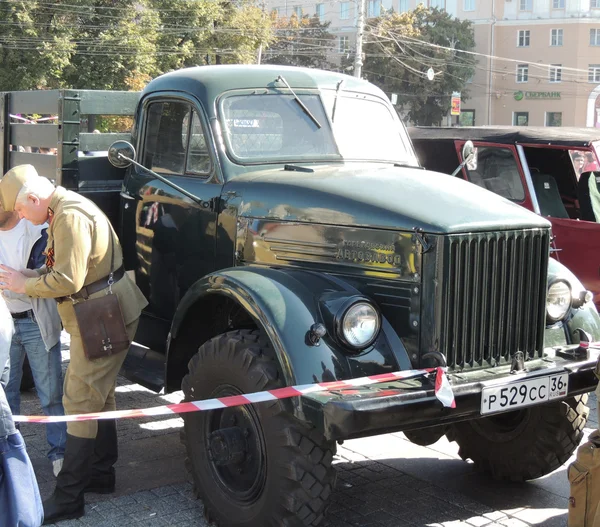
(57, 465)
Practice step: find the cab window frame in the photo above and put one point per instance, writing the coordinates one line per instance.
(196, 108)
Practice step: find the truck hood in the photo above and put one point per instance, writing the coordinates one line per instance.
(368, 195)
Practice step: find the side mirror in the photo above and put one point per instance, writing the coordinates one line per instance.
(121, 154)
(468, 150)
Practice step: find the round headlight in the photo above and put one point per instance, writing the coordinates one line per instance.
(360, 325)
(559, 301)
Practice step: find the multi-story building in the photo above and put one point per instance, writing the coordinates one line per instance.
(538, 62)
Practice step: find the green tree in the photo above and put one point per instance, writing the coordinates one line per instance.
(402, 47)
(36, 43)
(186, 31)
(121, 44)
(116, 43)
(242, 30)
(302, 41)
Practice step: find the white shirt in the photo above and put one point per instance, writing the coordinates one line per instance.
(15, 248)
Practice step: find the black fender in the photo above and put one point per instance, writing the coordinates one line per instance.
(585, 317)
(285, 304)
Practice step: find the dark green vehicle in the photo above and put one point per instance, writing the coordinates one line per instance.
(287, 235)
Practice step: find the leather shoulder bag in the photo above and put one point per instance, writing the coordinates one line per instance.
(100, 320)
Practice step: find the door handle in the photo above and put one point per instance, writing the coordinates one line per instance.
(553, 250)
(127, 195)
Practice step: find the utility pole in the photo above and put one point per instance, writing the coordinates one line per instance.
(259, 53)
(360, 29)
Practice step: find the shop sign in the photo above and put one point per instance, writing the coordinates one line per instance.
(520, 95)
(455, 103)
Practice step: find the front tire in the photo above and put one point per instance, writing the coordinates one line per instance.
(524, 444)
(254, 465)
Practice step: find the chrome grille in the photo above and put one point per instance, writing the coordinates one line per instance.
(493, 296)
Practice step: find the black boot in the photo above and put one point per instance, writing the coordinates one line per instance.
(67, 501)
(106, 453)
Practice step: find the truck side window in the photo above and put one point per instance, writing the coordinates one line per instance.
(174, 141)
(164, 146)
(497, 170)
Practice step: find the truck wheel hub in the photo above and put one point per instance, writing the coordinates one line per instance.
(236, 448)
(228, 446)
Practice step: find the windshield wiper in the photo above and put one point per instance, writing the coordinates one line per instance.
(302, 105)
(337, 90)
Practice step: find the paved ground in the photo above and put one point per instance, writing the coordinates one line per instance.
(383, 481)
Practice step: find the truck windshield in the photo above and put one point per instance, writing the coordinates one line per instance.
(272, 127)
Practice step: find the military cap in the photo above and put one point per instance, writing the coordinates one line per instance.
(12, 182)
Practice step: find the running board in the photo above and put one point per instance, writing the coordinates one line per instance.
(145, 366)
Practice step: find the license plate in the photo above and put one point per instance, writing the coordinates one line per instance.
(524, 393)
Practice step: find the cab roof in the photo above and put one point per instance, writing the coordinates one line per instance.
(206, 83)
(562, 136)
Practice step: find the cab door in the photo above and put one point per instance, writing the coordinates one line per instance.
(170, 238)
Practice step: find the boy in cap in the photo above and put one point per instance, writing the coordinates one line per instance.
(78, 261)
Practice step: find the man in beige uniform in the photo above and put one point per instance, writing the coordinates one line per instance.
(78, 261)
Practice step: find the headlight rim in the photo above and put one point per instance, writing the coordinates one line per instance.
(339, 323)
(555, 320)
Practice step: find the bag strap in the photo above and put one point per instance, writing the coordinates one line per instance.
(111, 280)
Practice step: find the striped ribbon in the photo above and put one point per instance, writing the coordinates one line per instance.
(443, 392)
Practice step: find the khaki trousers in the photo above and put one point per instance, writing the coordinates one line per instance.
(90, 385)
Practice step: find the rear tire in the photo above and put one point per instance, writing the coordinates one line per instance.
(524, 444)
(263, 467)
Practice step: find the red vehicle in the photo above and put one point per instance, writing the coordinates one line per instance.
(551, 171)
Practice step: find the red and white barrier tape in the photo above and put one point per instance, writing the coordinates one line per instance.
(443, 391)
(30, 121)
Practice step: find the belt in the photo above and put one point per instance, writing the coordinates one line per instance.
(94, 287)
(23, 314)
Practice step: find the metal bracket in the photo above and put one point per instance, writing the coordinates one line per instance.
(518, 363)
(422, 239)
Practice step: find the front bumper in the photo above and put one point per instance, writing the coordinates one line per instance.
(412, 404)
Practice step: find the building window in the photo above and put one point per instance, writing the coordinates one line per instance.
(403, 6)
(521, 119)
(298, 11)
(523, 37)
(556, 37)
(467, 118)
(594, 73)
(558, 4)
(594, 37)
(553, 118)
(595, 4)
(320, 11)
(522, 72)
(440, 4)
(374, 8)
(525, 5)
(344, 10)
(344, 44)
(555, 73)
(469, 5)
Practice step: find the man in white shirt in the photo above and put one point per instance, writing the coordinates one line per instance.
(37, 330)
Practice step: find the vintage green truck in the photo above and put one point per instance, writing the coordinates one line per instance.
(284, 234)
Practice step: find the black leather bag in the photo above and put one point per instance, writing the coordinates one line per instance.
(101, 323)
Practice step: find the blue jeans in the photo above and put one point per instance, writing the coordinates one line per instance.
(47, 376)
